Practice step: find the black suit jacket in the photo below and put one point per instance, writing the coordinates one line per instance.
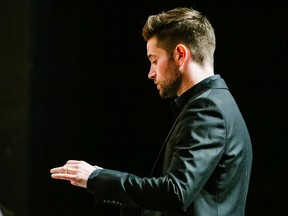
(207, 161)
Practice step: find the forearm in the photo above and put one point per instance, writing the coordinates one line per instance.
(114, 187)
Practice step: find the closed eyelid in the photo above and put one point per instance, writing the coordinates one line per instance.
(151, 57)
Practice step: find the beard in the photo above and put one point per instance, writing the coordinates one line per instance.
(170, 88)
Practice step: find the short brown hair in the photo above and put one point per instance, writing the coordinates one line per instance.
(183, 25)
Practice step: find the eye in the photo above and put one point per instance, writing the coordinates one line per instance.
(153, 60)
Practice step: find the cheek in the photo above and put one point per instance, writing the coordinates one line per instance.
(167, 71)
(162, 68)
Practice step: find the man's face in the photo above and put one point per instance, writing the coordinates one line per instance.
(163, 70)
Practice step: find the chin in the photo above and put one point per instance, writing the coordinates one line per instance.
(164, 96)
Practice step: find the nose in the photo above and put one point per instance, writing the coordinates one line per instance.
(151, 74)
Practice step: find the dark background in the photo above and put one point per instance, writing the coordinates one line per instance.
(73, 85)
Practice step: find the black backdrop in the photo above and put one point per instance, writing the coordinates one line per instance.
(90, 97)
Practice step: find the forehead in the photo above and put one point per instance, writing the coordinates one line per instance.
(152, 42)
(153, 49)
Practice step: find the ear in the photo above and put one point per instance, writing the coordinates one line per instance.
(181, 53)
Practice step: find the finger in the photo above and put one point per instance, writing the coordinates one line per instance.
(74, 183)
(56, 169)
(63, 176)
(72, 162)
(70, 170)
(78, 183)
(63, 169)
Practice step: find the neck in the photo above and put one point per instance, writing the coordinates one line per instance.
(193, 75)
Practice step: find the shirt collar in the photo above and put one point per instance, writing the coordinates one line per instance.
(178, 103)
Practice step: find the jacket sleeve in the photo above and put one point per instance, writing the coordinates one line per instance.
(121, 188)
(192, 153)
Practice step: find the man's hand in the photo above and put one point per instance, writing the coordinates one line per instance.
(77, 172)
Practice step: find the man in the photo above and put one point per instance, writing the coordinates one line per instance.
(208, 154)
